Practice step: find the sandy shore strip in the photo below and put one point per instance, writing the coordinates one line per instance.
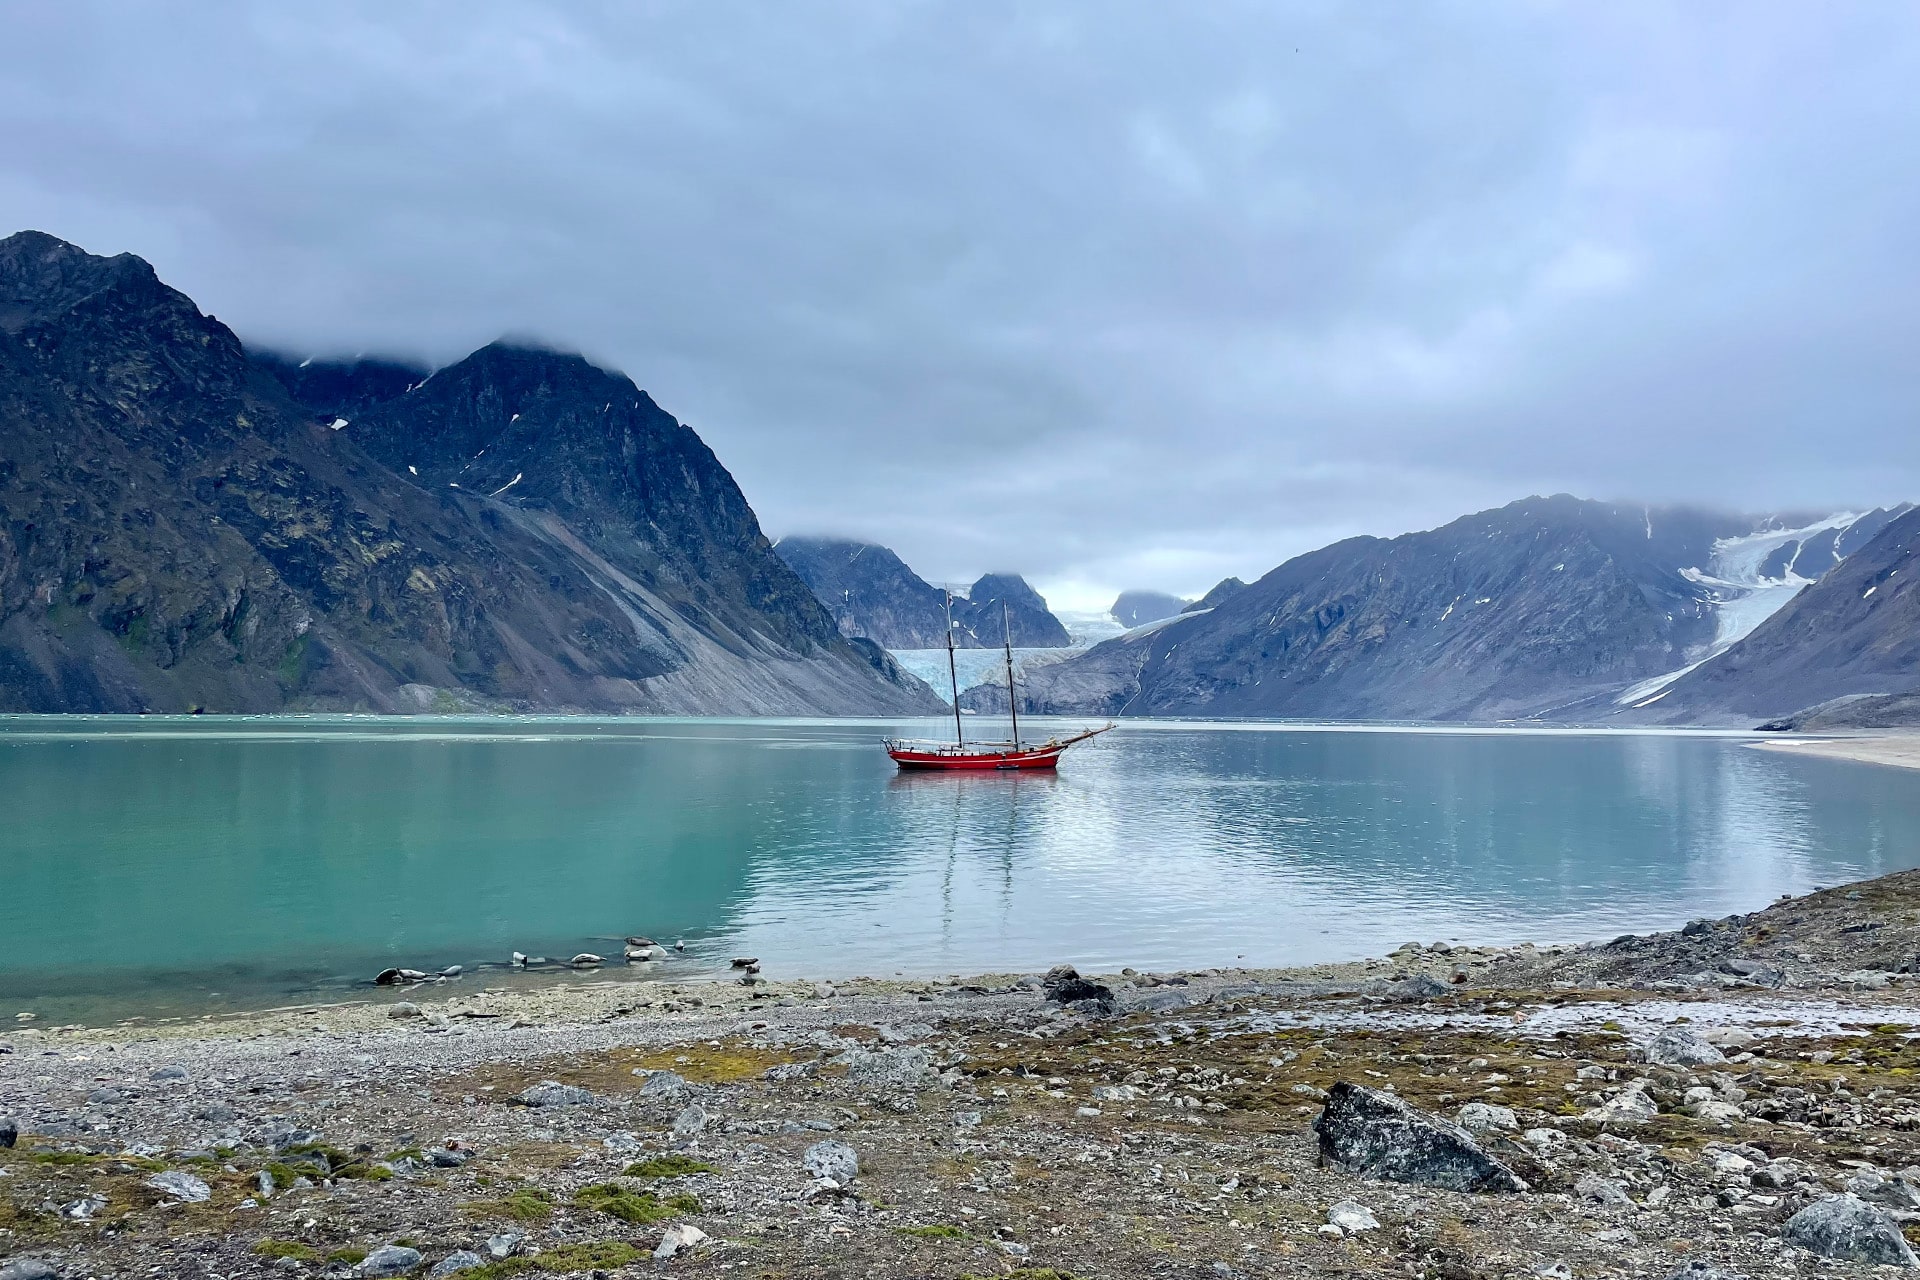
(1901, 750)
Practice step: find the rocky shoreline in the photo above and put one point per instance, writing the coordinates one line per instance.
(1737, 1098)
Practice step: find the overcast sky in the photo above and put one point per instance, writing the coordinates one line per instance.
(1110, 294)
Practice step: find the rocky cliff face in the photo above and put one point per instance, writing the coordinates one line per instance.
(872, 594)
(1135, 608)
(183, 529)
(1534, 609)
(1849, 640)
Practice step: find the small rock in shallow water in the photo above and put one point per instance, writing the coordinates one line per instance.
(390, 1260)
(1351, 1216)
(181, 1186)
(1849, 1228)
(1378, 1135)
(392, 977)
(551, 1093)
(679, 1238)
(832, 1159)
(454, 1263)
(1679, 1046)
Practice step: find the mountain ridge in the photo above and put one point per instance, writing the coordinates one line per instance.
(872, 594)
(181, 534)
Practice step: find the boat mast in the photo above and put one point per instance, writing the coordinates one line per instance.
(1013, 702)
(953, 676)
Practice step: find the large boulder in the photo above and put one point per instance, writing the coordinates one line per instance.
(1849, 1228)
(1377, 1135)
(1679, 1046)
(390, 1260)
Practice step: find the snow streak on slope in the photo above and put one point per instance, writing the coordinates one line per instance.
(1744, 596)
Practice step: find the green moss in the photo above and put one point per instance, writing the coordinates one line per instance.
(616, 1201)
(352, 1257)
(60, 1157)
(296, 663)
(287, 1249)
(528, 1204)
(668, 1166)
(601, 1255)
(935, 1231)
(404, 1153)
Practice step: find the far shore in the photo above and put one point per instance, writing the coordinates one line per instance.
(1900, 750)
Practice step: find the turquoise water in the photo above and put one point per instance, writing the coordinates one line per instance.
(185, 864)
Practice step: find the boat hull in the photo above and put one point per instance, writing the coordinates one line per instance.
(1042, 758)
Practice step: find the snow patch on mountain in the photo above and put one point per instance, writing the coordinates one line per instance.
(1744, 589)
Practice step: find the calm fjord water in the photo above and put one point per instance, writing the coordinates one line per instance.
(147, 864)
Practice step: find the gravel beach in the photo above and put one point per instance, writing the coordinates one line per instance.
(1730, 1099)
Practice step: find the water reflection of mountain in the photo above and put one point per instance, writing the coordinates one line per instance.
(180, 854)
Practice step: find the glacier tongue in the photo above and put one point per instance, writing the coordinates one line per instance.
(1743, 597)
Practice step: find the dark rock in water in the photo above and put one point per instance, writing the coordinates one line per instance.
(1851, 1229)
(390, 1260)
(1377, 1135)
(392, 977)
(551, 1093)
(1064, 985)
(9, 1131)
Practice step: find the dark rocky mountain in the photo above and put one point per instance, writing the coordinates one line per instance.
(1222, 591)
(1813, 555)
(1542, 608)
(1136, 608)
(182, 528)
(872, 594)
(1845, 652)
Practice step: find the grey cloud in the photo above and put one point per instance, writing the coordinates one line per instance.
(1111, 294)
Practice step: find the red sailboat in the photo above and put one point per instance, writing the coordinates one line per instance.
(912, 753)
